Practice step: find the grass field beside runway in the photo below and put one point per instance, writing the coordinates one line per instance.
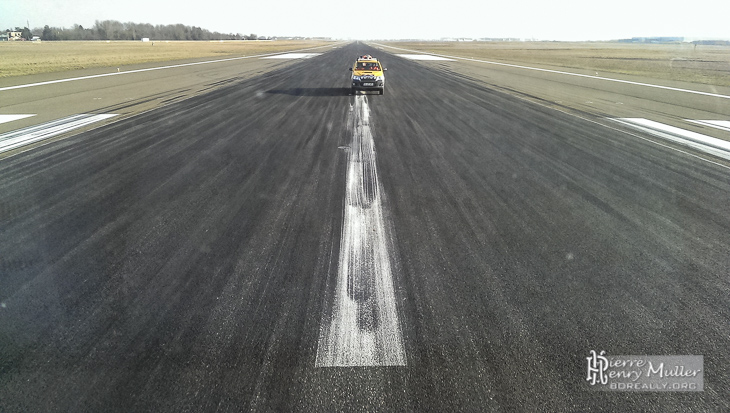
(681, 61)
(26, 58)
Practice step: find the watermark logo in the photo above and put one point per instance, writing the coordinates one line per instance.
(644, 373)
(597, 366)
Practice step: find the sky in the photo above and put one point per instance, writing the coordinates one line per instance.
(568, 20)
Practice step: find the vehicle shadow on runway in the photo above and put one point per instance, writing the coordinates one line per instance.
(312, 91)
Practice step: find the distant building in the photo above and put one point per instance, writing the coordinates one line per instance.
(11, 36)
(457, 39)
(653, 40)
(500, 39)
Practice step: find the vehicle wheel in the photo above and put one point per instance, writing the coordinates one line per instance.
(354, 91)
(381, 91)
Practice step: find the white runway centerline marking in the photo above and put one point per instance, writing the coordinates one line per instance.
(708, 144)
(10, 118)
(424, 57)
(22, 137)
(363, 327)
(293, 56)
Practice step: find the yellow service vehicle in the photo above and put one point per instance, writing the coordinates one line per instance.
(368, 74)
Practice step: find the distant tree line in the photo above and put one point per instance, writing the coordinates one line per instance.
(115, 30)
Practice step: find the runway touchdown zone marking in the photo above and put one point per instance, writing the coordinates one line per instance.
(293, 56)
(10, 118)
(704, 143)
(363, 327)
(26, 136)
(424, 57)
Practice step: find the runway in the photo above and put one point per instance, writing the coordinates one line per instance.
(278, 244)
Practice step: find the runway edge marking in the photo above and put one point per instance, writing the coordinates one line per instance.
(72, 79)
(717, 124)
(563, 73)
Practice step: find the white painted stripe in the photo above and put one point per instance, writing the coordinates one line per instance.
(22, 137)
(293, 56)
(718, 124)
(51, 82)
(568, 73)
(708, 144)
(10, 118)
(423, 57)
(363, 328)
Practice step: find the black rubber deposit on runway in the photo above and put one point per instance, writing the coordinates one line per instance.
(181, 260)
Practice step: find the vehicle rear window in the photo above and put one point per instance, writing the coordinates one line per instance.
(367, 66)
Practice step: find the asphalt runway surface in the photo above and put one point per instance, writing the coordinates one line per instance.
(190, 257)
